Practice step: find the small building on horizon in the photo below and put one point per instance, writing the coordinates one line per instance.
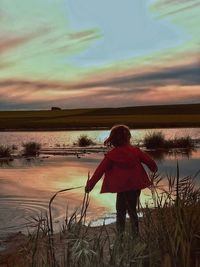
(55, 108)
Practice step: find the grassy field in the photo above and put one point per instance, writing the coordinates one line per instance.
(138, 117)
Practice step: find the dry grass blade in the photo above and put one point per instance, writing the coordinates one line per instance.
(51, 200)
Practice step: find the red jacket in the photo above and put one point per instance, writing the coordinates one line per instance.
(123, 170)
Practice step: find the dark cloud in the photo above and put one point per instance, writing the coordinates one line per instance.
(155, 87)
(181, 75)
(100, 99)
(32, 86)
(119, 92)
(184, 75)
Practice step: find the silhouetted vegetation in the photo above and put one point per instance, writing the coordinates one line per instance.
(5, 151)
(84, 141)
(169, 234)
(31, 148)
(183, 142)
(156, 140)
(14, 147)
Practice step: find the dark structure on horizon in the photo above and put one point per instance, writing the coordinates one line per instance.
(55, 108)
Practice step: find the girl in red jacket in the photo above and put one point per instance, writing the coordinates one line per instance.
(124, 175)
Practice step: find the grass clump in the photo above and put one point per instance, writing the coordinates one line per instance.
(14, 147)
(5, 151)
(156, 140)
(84, 141)
(31, 148)
(171, 227)
(183, 142)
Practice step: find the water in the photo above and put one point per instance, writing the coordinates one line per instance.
(65, 138)
(26, 186)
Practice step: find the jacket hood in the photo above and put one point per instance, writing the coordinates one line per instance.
(123, 156)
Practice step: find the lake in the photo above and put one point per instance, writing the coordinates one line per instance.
(26, 186)
(67, 138)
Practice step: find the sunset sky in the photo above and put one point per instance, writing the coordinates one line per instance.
(98, 53)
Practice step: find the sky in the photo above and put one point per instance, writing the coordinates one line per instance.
(92, 53)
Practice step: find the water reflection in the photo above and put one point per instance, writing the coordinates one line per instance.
(30, 161)
(26, 190)
(6, 162)
(66, 138)
(27, 186)
(162, 154)
(21, 161)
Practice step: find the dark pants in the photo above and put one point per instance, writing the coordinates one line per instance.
(127, 202)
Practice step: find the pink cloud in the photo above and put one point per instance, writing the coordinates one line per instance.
(10, 42)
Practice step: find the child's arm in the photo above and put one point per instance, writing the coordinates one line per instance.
(146, 159)
(103, 166)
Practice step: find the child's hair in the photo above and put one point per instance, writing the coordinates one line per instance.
(119, 135)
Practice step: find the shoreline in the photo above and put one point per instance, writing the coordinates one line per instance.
(97, 128)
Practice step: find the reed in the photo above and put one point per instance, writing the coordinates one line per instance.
(84, 141)
(5, 151)
(169, 233)
(31, 149)
(156, 140)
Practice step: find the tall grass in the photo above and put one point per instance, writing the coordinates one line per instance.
(183, 142)
(156, 140)
(5, 151)
(169, 233)
(31, 148)
(173, 225)
(84, 141)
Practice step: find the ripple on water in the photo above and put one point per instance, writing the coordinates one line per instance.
(17, 213)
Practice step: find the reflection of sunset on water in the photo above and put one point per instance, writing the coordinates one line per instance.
(26, 187)
(67, 138)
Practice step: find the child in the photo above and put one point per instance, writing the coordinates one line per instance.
(124, 175)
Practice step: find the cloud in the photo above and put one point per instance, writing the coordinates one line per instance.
(170, 7)
(177, 84)
(10, 42)
(107, 97)
(84, 35)
(185, 75)
(31, 85)
(7, 43)
(178, 75)
(74, 39)
(6, 64)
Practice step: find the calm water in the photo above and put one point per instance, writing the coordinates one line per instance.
(27, 186)
(65, 138)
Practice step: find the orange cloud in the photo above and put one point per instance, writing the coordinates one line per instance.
(179, 83)
(11, 42)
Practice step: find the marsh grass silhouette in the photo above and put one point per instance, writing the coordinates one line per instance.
(169, 233)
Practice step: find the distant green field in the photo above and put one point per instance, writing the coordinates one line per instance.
(137, 117)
